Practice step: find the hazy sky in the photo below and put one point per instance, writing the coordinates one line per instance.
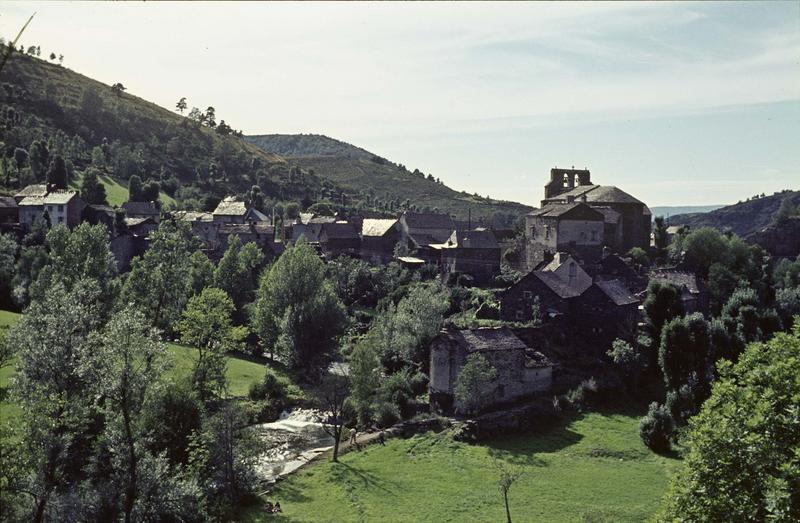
(695, 103)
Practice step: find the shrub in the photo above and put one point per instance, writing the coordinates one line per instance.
(386, 414)
(271, 387)
(581, 396)
(656, 428)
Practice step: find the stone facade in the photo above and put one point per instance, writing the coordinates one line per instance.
(521, 371)
(574, 228)
(474, 252)
(631, 228)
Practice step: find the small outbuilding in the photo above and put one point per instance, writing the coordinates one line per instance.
(521, 371)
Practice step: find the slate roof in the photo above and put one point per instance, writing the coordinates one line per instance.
(193, 216)
(557, 285)
(617, 292)
(488, 339)
(376, 227)
(681, 279)
(32, 190)
(428, 220)
(246, 228)
(558, 260)
(133, 222)
(230, 206)
(31, 201)
(8, 202)
(609, 214)
(411, 260)
(59, 197)
(339, 231)
(597, 194)
(557, 210)
(255, 214)
(141, 208)
(423, 239)
(475, 239)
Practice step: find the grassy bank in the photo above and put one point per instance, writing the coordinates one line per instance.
(590, 467)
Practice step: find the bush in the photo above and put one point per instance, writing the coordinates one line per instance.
(656, 428)
(581, 396)
(272, 387)
(386, 414)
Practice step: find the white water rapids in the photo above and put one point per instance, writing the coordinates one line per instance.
(290, 442)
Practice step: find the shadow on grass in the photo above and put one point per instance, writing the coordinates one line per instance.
(520, 448)
(288, 491)
(348, 473)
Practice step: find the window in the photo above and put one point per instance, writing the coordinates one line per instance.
(49, 208)
(546, 232)
(60, 208)
(60, 219)
(594, 236)
(533, 232)
(527, 295)
(519, 314)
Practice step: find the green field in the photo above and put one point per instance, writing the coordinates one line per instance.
(590, 467)
(116, 193)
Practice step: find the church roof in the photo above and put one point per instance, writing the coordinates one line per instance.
(596, 194)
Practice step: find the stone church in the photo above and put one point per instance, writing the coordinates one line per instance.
(581, 218)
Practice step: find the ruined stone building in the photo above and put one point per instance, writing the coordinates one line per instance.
(521, 371)
(624, 220)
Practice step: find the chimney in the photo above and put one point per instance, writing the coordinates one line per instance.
(570, 198)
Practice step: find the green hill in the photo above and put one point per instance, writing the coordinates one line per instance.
(375, 177)
(116, 193)
(90, 123)
(743, 218)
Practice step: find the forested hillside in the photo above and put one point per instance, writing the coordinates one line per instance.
(743, 218)
(378, 179)
(49, 111)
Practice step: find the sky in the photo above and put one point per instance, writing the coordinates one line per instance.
(676, 103)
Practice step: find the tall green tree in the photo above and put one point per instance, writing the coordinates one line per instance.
(54, 397)
(206, 324)
(134, 189)
(92, 191)
(159, 281)
(57, 173)
(742, 462)
(237, 272)
(660, 236)
(474, 383)
(364, 381)
(124, 363)
(75, 256)
(297, 312)
(662, 303)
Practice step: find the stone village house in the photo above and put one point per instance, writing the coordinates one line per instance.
(521, 371)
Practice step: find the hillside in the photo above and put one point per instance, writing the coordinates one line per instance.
(371, 175)
(90, 123)
(672, 210)
(743, 218)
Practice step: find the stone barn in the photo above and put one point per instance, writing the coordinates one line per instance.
(521, 371)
